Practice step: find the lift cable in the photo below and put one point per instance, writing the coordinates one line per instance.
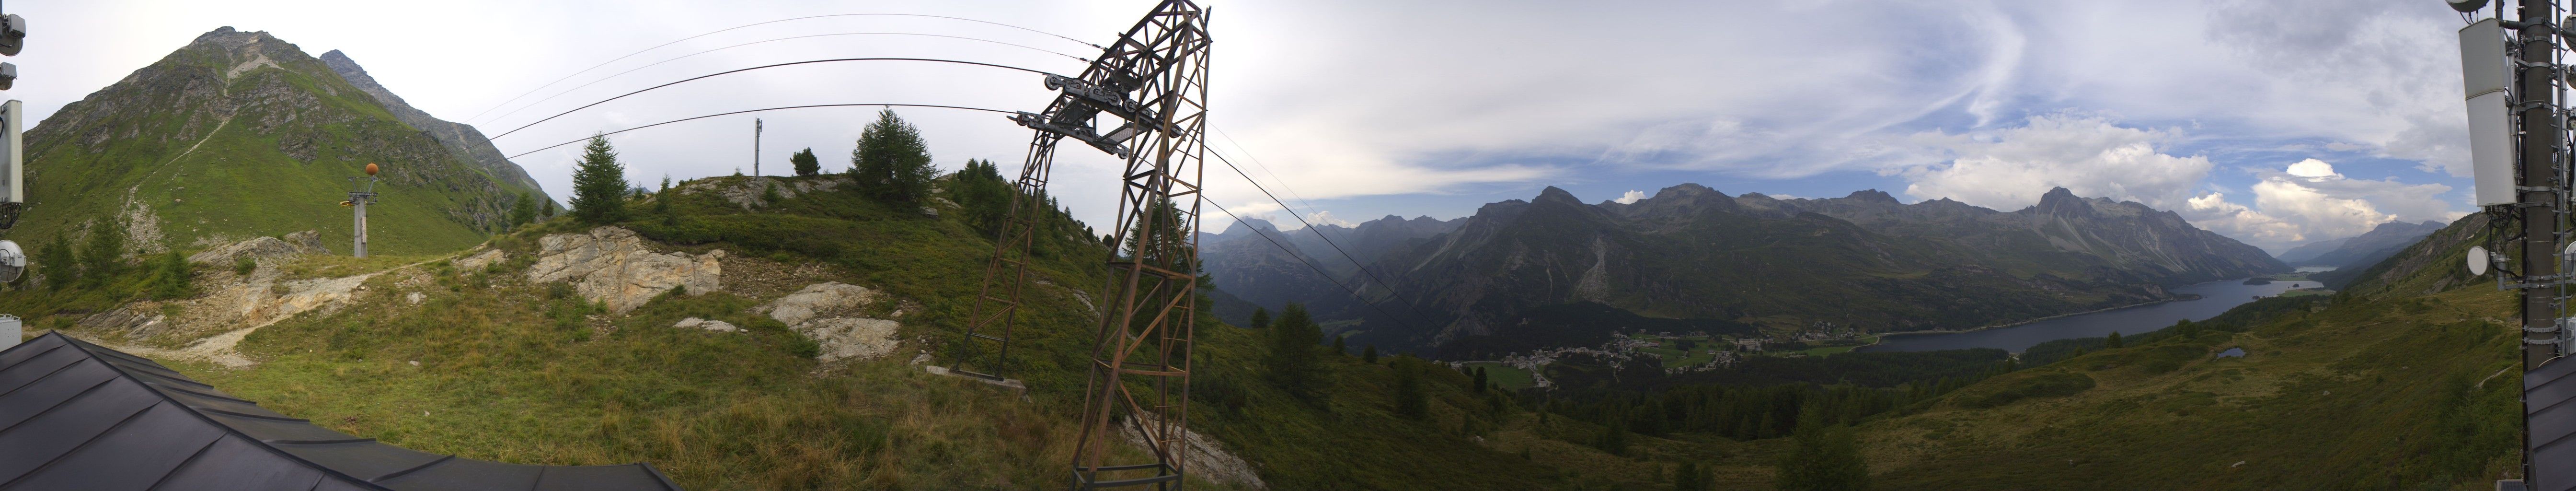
(714, 32)
(550, 147)
(739, 70)
(677, 58)
(1301, 258)
(1328, 240)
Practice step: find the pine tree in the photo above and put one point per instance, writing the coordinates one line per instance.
(806, 164)
(599, 184)
(1825, 458)
(1408, 392)
(2111, 342)
(1480, 379)
(1292, 362)
(1691, 477)
(1369, 354)
(979, 189)
(892, 163)
(54, 259)
(103, 255)
(1260, 318)
(550, 208)
(1340, 349)
(523, 210)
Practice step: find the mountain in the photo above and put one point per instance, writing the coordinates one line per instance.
(2062, 232)
(2368, 248)
(1865, 261)
(240, 134)
(2301, 254)
(1247, 261)
(459, 138)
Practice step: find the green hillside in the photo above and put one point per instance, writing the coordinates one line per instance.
(241, 135)
(518, 371)
(2401, 390)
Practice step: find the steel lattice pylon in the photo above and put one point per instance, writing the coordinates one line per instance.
(1152, 85)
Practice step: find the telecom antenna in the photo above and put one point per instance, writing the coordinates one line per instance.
(2517, 149)
(1149, 90)
(361, 192)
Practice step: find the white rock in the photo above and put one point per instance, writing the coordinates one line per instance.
(479, 261)
(815, 300)
(711, 325)
(415, 297)
(850, 337)
(612, 265)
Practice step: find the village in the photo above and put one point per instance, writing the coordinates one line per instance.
(1678, 352)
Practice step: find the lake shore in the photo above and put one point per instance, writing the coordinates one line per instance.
(1884, 336)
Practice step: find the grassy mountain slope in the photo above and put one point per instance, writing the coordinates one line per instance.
(526, 372)
(240, 135)
(2411, 387)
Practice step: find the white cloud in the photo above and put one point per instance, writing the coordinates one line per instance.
(2313, 168)
(1319, 218)
(2309, 201)
(1631, 197)
(2009, 169)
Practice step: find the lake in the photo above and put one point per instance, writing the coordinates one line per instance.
(2215, 298)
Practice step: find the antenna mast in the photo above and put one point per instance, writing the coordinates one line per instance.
(2518, 150)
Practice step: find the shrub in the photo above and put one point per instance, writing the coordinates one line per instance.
(244, 266)
(2051, 384)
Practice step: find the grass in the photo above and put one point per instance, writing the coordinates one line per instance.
(528, 373)
(1505, 376)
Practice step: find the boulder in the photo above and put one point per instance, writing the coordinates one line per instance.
(850, 337)
(817, 299)
(711, 325)
(481, 260)
(613, 266)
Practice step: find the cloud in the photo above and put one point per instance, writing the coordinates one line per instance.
(1631, 197)
(2309, 201)
(1319, 218)
(2010, 168)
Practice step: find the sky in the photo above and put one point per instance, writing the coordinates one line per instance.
(2267, 130)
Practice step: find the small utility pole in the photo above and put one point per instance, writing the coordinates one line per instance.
(359, 196)
(755, 147)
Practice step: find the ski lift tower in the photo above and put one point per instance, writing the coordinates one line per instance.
(361, 192)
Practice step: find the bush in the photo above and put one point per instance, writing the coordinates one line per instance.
(2051, 384)
(244, 266)
(804, 347)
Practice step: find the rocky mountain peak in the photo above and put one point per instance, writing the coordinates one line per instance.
(1553, 194)
(1877, 196)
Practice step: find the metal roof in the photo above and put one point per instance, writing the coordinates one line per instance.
(74, 415)
(2549, 410)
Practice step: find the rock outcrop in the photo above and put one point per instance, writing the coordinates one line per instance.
(612, 265)
(1201, 454)
(711, 325)
(829, 314)
(259, 248)
(751, 192)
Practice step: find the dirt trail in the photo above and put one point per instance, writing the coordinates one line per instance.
(218, 348)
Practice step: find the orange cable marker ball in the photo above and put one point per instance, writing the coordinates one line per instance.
(371, 168)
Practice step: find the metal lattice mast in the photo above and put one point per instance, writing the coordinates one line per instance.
(1149, 91)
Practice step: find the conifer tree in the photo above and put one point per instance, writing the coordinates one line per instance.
(599, 184)
(805, 162)
(523, 211)
(1340, 349)
(1369, 354)
(1292, 362)
(1480, 379)
(1408, 392)
(2111, 342)
(1825, 458)
(892, 163)
(1261, 318)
